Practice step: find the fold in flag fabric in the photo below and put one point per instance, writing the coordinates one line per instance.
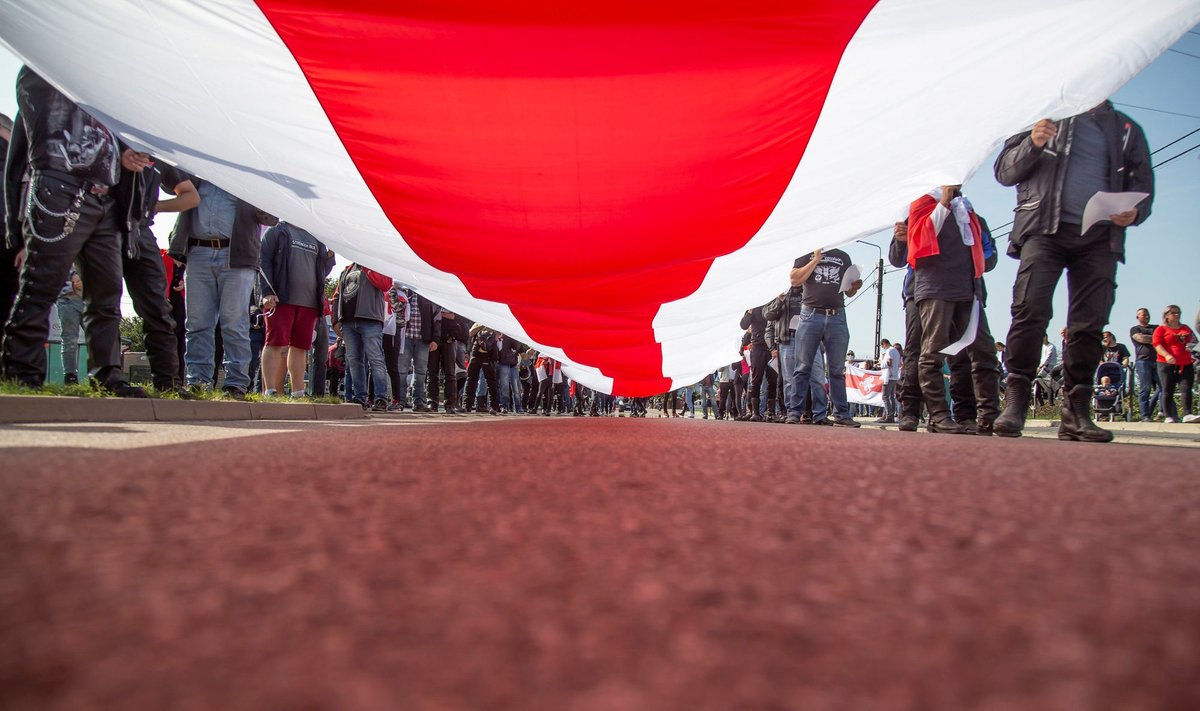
(614, 183)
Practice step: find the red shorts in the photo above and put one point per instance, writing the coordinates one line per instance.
(292, 326)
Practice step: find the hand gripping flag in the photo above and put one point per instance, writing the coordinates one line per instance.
(614, 183)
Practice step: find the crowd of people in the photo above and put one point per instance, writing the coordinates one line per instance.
(225, 305)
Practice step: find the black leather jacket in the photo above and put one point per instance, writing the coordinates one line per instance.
(1039, 173)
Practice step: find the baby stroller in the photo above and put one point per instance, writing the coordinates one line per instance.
(1109, 400)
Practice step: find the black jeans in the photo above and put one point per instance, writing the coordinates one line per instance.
(942, 323)
(146, 282)
(95, 245)
(319, 357)
(489, 374)
(1091, 288)
(391, 359)
(442, 361)
(1170, 376)
(760, 365)
(10, 279)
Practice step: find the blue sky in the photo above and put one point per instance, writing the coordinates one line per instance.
(1161, 255)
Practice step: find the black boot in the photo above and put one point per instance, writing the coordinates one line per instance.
(1077, 422)
(754, 416)
(1016, 404)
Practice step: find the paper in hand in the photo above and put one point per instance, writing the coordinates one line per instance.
(853, 274)
(1104, 204)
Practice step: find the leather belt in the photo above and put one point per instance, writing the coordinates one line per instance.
(85, 185)
(825, 312)
(212, 243)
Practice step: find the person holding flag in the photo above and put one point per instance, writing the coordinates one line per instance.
(946, 252)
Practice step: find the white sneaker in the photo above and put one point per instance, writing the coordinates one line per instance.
(1170, 421)
(1191, 418)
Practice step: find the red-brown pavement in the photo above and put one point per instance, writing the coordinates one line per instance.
(598, 564)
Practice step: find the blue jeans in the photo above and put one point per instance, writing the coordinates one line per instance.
(1147, 384)
(701, 393)
(414, 359)
(364, 346)
(817, 329)
(816, 381)
(70, 316)
(214, 290)
(510, 387)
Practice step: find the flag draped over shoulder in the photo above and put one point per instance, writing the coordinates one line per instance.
(923, 229)
(613, 183)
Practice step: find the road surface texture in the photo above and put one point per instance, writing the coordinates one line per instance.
(445, 564)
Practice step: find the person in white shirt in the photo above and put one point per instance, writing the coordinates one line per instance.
(889, 363)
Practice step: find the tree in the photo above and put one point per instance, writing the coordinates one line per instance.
(133, 333)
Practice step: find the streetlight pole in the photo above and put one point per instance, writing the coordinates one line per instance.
(878, 299)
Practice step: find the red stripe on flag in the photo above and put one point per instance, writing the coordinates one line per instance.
(581, 164)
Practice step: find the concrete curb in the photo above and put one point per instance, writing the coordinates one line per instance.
(37, 408)
(1143, 427)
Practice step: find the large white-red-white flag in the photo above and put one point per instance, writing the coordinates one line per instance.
(614, 182)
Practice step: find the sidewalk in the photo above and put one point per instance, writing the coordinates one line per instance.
(48, 408)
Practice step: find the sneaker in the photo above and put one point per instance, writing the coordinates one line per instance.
(1170, 421)
(71, 379)
(380, 405)
(824, 422)
(420, 408)
(846, 422)
(234, 393)
(395, 407)
(792, 420)
(1191, 418)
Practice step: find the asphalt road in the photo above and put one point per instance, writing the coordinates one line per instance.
(589, 564)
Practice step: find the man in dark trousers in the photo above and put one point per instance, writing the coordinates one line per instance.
(146, 275)
(762, 345)
(447, 334)
(63, 166)
(1057, 168)
(946, 251)
(485, 355)
(10, 271)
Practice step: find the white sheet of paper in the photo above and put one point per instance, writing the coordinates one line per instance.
(1104, 204)
(968, 336)
(853, 274)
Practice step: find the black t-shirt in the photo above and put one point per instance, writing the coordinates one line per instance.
(1116, 353)
(1144, 351)
(63, 137)
(823, 290)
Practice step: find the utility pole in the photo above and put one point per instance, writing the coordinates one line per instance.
(878, 308)
(878, 299)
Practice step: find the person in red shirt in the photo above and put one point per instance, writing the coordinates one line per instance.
(1172, 340)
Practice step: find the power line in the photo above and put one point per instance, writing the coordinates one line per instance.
(1177, 140)
(1186, 54)
(1161, 111)
(1177, 155)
